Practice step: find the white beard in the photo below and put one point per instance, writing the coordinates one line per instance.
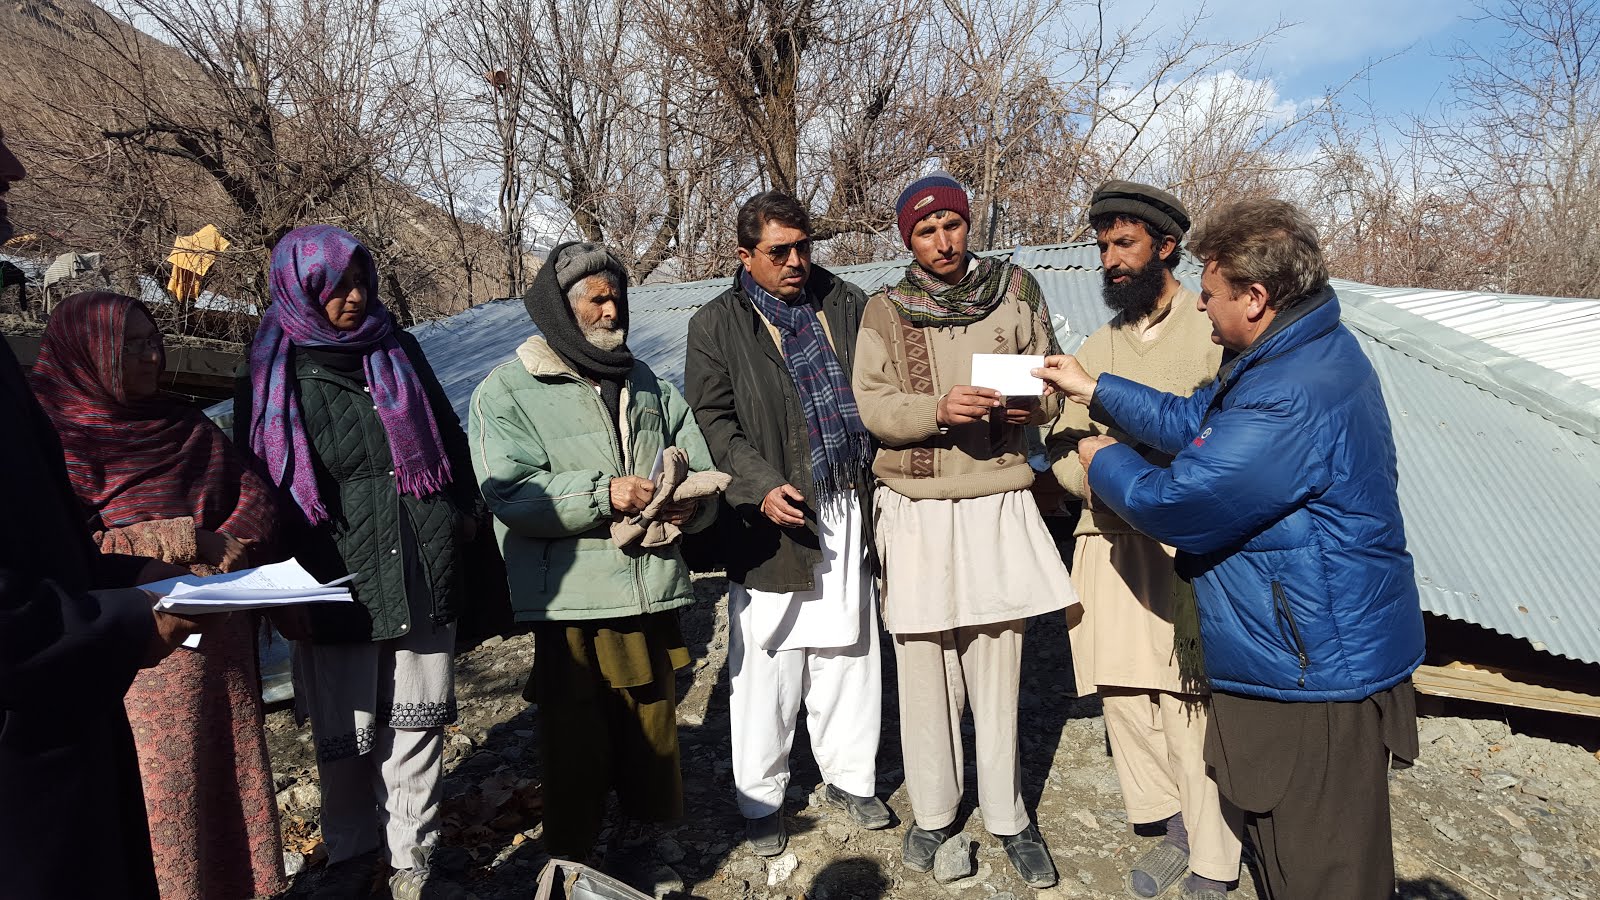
(606, 338)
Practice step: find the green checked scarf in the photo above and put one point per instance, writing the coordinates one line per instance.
(925, 301)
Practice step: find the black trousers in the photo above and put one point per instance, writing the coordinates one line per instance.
(1312, 779)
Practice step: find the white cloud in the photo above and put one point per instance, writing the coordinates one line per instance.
(1319, 34)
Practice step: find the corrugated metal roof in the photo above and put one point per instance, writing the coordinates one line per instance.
(1560, 334)
(1499, 458)
(1499, 505)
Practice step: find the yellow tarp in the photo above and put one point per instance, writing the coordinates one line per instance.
(191, 258)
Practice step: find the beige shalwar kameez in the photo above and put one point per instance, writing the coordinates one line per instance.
(1121, 634)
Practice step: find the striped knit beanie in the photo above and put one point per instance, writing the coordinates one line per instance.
(928, 195)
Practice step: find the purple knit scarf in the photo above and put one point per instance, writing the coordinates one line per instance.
(307, 265)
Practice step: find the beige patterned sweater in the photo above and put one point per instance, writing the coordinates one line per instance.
(901, 371)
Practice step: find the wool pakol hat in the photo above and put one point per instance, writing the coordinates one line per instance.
(1141, 201)
(577, 261)
(927, 195)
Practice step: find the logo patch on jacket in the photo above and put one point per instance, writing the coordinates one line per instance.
(1201, 440)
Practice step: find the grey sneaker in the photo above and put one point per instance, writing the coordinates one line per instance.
(1157, 870)
(423, 882)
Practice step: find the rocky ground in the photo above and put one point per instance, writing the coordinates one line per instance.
(1487, 812)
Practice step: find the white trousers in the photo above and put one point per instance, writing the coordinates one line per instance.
(395, 788)
(815, 647)
(841, 688)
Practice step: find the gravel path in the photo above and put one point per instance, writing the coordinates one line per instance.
(1486, 812)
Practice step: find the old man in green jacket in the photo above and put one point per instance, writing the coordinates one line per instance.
(563, 439)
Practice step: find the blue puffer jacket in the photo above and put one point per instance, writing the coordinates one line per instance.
(1281, 500)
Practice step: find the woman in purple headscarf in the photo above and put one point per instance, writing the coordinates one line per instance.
(341, 412)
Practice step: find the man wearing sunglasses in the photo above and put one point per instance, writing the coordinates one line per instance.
(768, 374)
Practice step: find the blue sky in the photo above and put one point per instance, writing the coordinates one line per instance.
(1331, 41)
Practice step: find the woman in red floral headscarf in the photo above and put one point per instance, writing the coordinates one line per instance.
(157, 478)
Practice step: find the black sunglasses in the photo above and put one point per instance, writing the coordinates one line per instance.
(779, 253)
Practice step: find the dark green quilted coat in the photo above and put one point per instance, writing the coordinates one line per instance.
(355, 478)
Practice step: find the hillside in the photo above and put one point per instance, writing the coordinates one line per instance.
(130, 143)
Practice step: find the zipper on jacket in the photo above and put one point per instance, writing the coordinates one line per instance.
(544, 569)
(1291, 635)
(622, 467)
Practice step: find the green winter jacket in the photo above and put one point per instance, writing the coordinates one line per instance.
(545, 455)
(355, 479)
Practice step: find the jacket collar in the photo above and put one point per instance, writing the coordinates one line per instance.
(820, 287)
(542, 361)
(1300, 324)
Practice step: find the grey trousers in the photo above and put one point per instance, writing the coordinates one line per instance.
(392, 792)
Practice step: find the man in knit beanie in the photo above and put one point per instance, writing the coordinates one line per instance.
(966, 557)
(1123, 634)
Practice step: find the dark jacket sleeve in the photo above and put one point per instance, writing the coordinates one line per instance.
(709, 389)
(60, 644)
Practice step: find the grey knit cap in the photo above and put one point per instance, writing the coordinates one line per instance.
(578, 261)
(1141, 201)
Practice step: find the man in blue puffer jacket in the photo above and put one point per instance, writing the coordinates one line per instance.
(1281, 501)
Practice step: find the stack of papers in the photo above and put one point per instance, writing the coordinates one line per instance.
(280, 584)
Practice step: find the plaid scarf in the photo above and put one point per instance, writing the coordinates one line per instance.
(924, 300)
(307, 265)
(840, 445)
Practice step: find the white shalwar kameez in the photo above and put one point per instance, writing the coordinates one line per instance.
(819, 647)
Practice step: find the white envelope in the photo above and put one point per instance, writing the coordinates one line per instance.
(1008, 373)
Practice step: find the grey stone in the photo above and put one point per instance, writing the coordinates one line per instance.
(745, 867)
(1499, 781)
(1086, 819)
(1432, 730)
(1533, 858)
(1492, 730)
(837, 831)
(293, 863)
(1512, 819)
(1466, 738)
(669, 851)
(495, 641)
(300, 796)
(779, 870)
(1447, 829)
(954, 860)
(1534, 787)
